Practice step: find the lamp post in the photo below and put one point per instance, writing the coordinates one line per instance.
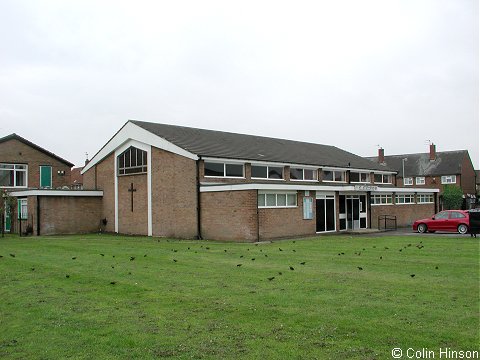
(403, 170)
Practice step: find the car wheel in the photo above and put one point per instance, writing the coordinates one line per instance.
(462, 229)
(421, 228)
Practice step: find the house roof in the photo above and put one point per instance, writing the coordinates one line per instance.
(76, 175)
(219, 144)
(445, 163)
(35, 146)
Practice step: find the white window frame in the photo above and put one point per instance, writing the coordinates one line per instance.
(449, 179)
(224, 170)
(276, 193)
(16, 168)
(376, 199)
(315, 172)
(387, 176)
(367, 181)
(23, 207)
(425, 199)
(400, 199)
(420, 180)
(334, 171)
(269, 166)
(143, 167)
(408, 181)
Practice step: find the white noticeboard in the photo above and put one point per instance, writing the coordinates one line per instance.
(307, 208)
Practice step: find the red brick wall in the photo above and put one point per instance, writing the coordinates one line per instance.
(286, 222)
(16, 152)
(229, 215)
(406, 214)
(136, 221)
(174, 195)
(102, 177)
(467, 181)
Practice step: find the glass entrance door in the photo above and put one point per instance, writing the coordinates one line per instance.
(353, 212)
(325, 212)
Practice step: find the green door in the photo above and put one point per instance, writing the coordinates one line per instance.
(45, 176)
(8, 221)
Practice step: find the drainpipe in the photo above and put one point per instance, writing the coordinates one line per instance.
(38, 215)
(258, 221)
(199, 225)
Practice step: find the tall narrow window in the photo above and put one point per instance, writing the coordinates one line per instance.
(132, 161)
(45, 176)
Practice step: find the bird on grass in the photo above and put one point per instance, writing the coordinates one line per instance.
(294, 250)
(12, 255)
(102, 254)
(271, 278)
(266, 255)
(225, 250)
(113, 267)
(253, 259)
(292, 268)
(1, 256)
(359, 268)
(132, 258)
(302, 263)
(33, 269)
(436, 267)
(145, 255)
(174, 260)
(381, 257)
(67, 276)
(280, 273)
(113, 282)
(241, 256)
(74, 258)
(412, 275)
(238, 265)
(207, 248)
(280, 249)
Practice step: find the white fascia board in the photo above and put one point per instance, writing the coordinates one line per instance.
(74, 193)
(285, 187)
(130, 131)
(405, 190)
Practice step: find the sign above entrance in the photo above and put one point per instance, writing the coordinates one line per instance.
(366, 188)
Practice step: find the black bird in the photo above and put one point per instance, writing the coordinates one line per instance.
(174, 260)
(113, 282)
(280, 249)
(386, 248)
(266, 255)
(292, 268)
(73, 258)
(359, 268)
(436, 267)
(12, 255)
(381, 257)
(1, 256)
(102, 254)
(188, 248)
(400, 250)
(225, 250)
(302, 263)
(238, 265)
(294, 241)
(294, 250)
(33, 269)
(113, 256)
(241, 256)
(145, 255)
(207, 248)
(175, 250)
(279, 273)
(374, 247)
(67, 276)
(113, 267)
(412, 275)
(132, 258)
(253, 259)
(248, 249)
(271, 278)
(129, 273)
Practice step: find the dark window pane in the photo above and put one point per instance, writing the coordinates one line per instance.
(378, 178)
(328, 175)
(363, 200)
(310, 174)
(6, 177)
(127, 158)
(234, 170)
(275, 172)
(342, 204)
(259, 172)
(213, 169)
(133, 157)
(296, 174)
(339, 176)
(363, 223)
(354, 177)
(20, 178)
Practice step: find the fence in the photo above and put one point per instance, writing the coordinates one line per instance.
(387, 222)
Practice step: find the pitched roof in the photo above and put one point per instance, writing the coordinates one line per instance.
(219, 144)
(445, 163)
(35, 146)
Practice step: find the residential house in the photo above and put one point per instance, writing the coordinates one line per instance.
(433, 170)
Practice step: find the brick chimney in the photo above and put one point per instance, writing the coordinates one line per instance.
(433, 153)
(381, 156)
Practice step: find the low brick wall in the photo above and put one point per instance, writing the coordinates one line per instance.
(406, 214)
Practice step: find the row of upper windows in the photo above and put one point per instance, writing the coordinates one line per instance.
(15, 176)
(420, 180)
(387, 199)
(236, 170)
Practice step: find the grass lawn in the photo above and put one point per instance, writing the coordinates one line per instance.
(114, 297)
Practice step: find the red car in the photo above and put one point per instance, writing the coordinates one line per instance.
(448, 220)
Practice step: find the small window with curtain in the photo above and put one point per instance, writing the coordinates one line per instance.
(132, 161)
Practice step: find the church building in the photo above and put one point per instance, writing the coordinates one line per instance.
(173, 181)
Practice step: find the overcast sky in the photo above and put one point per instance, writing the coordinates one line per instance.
(354, 74)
